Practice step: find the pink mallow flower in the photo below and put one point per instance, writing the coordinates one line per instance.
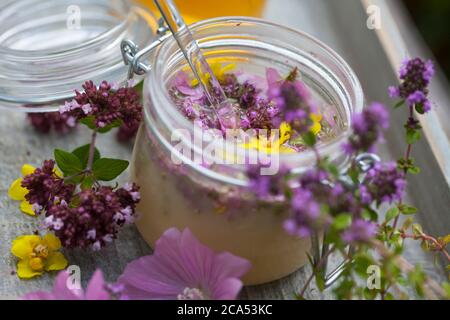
(96, 289)
(182, 268)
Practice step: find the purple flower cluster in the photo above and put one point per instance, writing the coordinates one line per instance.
(127, 132)
(266, 187)
(361, 231)
(45, 187)
(383, 183)
(305, 214)
(46, 121)
(244, 93)
(105, 105)
(293, 100)
(368, 129)
(316, 187)
(416, 75)
(97, 218)
(285, 100)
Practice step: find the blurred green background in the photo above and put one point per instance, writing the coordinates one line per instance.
(432, 18)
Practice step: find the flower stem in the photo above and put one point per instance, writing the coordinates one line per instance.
(316, 269)
(91, 151)
(405, 159)
(424, 237)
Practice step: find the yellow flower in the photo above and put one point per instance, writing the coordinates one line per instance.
(277, 144)
(37, 255)
(316, 126)
(273, 144)
(17, 192)
(218, 70)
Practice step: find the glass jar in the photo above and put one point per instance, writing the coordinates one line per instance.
(214, 201)
(49, 48)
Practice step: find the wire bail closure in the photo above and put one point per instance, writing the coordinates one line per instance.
(132, 55)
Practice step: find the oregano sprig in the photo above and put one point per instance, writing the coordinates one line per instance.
(80, 210)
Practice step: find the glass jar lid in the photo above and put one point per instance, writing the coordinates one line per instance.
(49, 48)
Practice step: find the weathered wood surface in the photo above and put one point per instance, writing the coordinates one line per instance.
(342, 25)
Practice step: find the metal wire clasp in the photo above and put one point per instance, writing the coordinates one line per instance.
(132, 55)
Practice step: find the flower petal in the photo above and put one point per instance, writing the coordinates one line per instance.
(58, 173)
(52, 241)
(285, 132)
(55, 261)
(180, 261)
(61, 290)
(22, 246)
(316, 126)
(24, 270)
(27, 208)
(228, 289)
(16, 191)
(96, 287)
(39, 295)
(27, 169)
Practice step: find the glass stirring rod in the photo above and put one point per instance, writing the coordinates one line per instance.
(222, 108)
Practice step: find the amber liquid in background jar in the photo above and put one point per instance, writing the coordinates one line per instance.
(195, 10)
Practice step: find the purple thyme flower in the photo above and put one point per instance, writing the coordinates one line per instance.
(416, 75)
(96, 220)
(419, 98)
(105, 105)
(367, 128)
(263, 115)
(96, 289)
(44, 122)
(292, 98)
(244, 93)
(45, 187)
(383, 183)
(182, 268)
(335, 195)
(305, 214)
(361, 231)
(266, 187)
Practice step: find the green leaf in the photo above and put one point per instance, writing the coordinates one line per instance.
(87, 182)
(353, 173)
(320, 282)
(420, 108)
(406, 210)
(414, 170)
(139, 87)
(370, 294)
(370, 214)
(342, 221)
(83, 154)
(67, 162)
(412, 135)
(417, 229)
(309, 139)
(333, 170)
(392, 213)
(90, 123)
(399, 104)
(106, 169)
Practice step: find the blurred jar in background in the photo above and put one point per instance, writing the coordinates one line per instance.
(195, 10)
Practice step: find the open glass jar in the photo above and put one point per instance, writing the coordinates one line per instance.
(214, 201)
(49, 48)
